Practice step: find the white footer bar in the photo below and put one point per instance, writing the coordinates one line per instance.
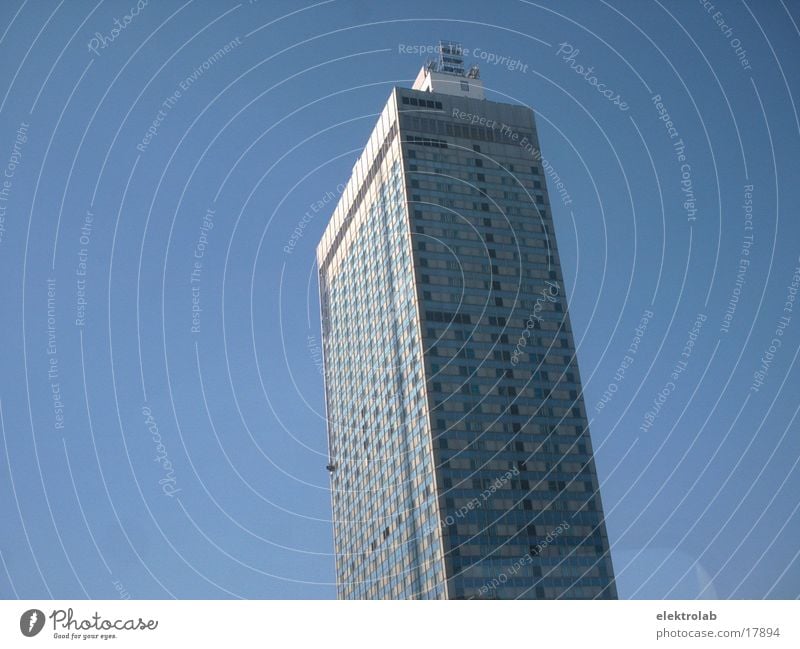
(153, 624)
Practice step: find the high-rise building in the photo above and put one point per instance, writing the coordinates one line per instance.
(460, 458)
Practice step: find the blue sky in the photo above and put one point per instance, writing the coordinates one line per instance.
(140, 456)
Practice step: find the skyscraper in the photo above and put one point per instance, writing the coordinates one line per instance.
(460, 458)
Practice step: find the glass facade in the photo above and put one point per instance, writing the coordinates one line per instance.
(461, 463)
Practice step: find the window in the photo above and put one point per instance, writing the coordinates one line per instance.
(465, 86)
(427, 141)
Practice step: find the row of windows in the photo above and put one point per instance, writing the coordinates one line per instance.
(456, 159)
(460, 210)
(452, 405)
(424, 103)
(515, 241)
(502, 223)
(466, 131)
(426, 141)
(446, 316)
(525, 442)
(488, 387)
(477, 297)
(430, 182)
(534, 269)
(522, 209)
(459, 173)
(443, 252)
